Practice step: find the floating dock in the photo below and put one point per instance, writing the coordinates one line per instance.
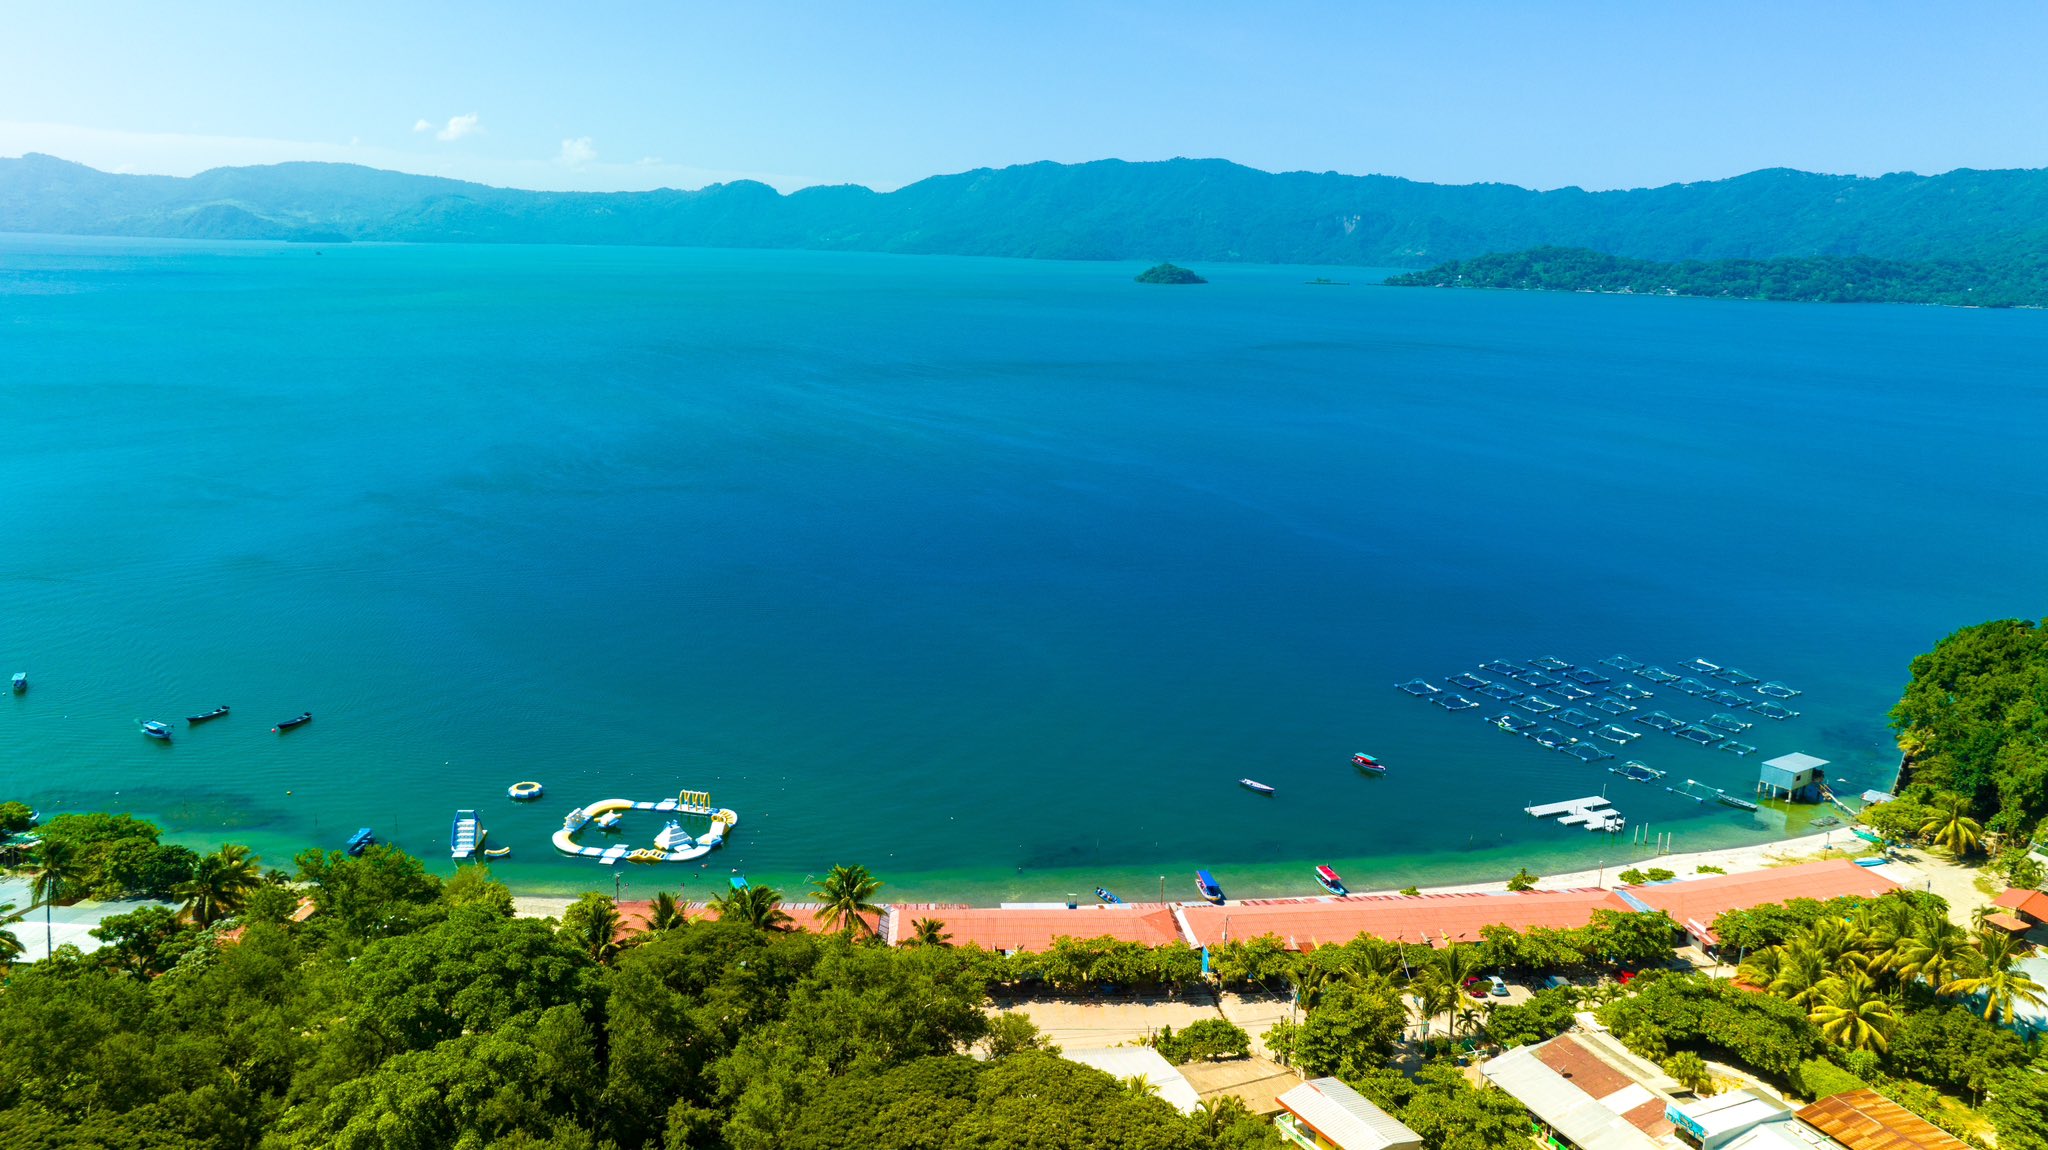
(684, 849)
(1592, 812)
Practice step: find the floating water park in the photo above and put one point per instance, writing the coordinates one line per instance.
(672, 844)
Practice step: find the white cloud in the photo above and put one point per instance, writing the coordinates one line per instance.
(458, 127)
(576, 153)
(422, 126)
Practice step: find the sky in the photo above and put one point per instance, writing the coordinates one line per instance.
(619, 96)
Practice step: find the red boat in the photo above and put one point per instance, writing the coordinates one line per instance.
(1329, 880)
(1365, 762)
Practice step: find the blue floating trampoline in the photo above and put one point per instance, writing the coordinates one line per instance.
(1537, 679)
(1660, 721)
(1498, 667)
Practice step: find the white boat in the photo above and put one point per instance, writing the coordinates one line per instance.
(1255, 785)
(672, 837)
(156, 730)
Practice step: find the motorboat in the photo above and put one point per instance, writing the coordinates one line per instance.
(464, 835)
(1206, 884)
(20, 682)
(359, 842)
(1107, 896)
(1728, 800)
(299, 720)
(672, 837)
(1329, 881)
(208, 716)
(156, 730)
(1255, 785)
(1365, 762)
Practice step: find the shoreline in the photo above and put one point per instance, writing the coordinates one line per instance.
(1731, 860)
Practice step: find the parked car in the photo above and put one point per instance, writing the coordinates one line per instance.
(1555, 981)
(1500, 987)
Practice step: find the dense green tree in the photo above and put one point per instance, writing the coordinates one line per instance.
(1351, 1030)
(381, 893)
(2018, 1109)
(928, 932)
(1547, 1014)
(1443, 1106)
(474, 886)
(591, 925)
(1203, 1040)
(1979, 691)
(1670, 1012)
(16, 817)
(1952, 1048)
(146, 941)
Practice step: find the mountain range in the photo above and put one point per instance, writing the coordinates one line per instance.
(1182, 209)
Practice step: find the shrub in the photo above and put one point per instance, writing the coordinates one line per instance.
(1708, 868)
(15, 817)
(1204, 1040)
(1817, 1078)
(1632, 876)
(1659, 874)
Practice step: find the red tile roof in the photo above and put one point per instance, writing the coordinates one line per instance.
(2007, 922)
(634, 916)
(995, 928)
(2031, 903)
(1703, 900)
(1303, 924)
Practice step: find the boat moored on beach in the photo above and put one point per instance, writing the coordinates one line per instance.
(1206, 884)
(1255, 785)
(1365, 762)
(299, 720)
(156, 730)
(1328, 880)
(208, 716)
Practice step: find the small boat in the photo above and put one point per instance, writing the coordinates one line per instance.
(738, 882)
(497, 852)
(1365, 762)
(672, 837)
(359, 842)
(1107, 896)
(209, 716)
(20, 682)
(156, 730)
(1206, 884)
(464, 835)
(1728, 800)
(608, 821)
(1329, 881)
(299, 720)
(1255, 785)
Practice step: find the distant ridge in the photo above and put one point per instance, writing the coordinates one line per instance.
(1209, 210)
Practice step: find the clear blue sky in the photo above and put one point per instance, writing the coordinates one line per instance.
(556, 96)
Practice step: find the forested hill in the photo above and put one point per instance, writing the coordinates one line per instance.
(2018, 281)
(1209, 210)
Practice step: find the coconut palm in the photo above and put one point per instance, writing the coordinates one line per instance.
(928, 932)
(10, 946)
(1938, 952)
(1220, 1113)
(848, 896)
(665, 913)
(220, 885)
(758, 906)
(1951, 827)
(1840, 945)
(1993, 976)
(1760, 967)
(54, 870)
(1801, 971)
(1308, 981)
(592, 925)
(1851, 1014)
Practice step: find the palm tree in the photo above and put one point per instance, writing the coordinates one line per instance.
(1951, 826)
(219, 885)
(1851, 1014)
(55, 868)
(758, 906)
(1801, 970)
(1309, 980)
(1760, 968)
(1938, 952)
(593, 925)
(666, 914)
(10, 946)
(2003, 987)
(928, 932)
(848, 894)
(1220, 1113)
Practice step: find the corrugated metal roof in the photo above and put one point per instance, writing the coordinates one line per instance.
(1867, 1120)
(1563, 1106)
(1141, 1062)
(1346, 1117)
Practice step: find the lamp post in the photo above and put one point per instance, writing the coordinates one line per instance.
(1162, 888)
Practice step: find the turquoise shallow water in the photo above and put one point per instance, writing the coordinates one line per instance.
(993, 575)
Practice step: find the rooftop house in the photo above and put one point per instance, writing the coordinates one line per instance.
(1325, 1114)
(1796, 777)
(1588, 1093)
(1867, 1120)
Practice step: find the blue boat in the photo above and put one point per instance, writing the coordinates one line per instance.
(1108, 896)
(738, 882)
(360, 841)
(1207, 885)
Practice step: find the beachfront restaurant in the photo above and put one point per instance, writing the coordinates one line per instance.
(1325, 1114)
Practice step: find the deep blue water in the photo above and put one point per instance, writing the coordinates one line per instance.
(993, 575)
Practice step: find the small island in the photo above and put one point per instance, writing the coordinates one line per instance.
(1169, 274)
